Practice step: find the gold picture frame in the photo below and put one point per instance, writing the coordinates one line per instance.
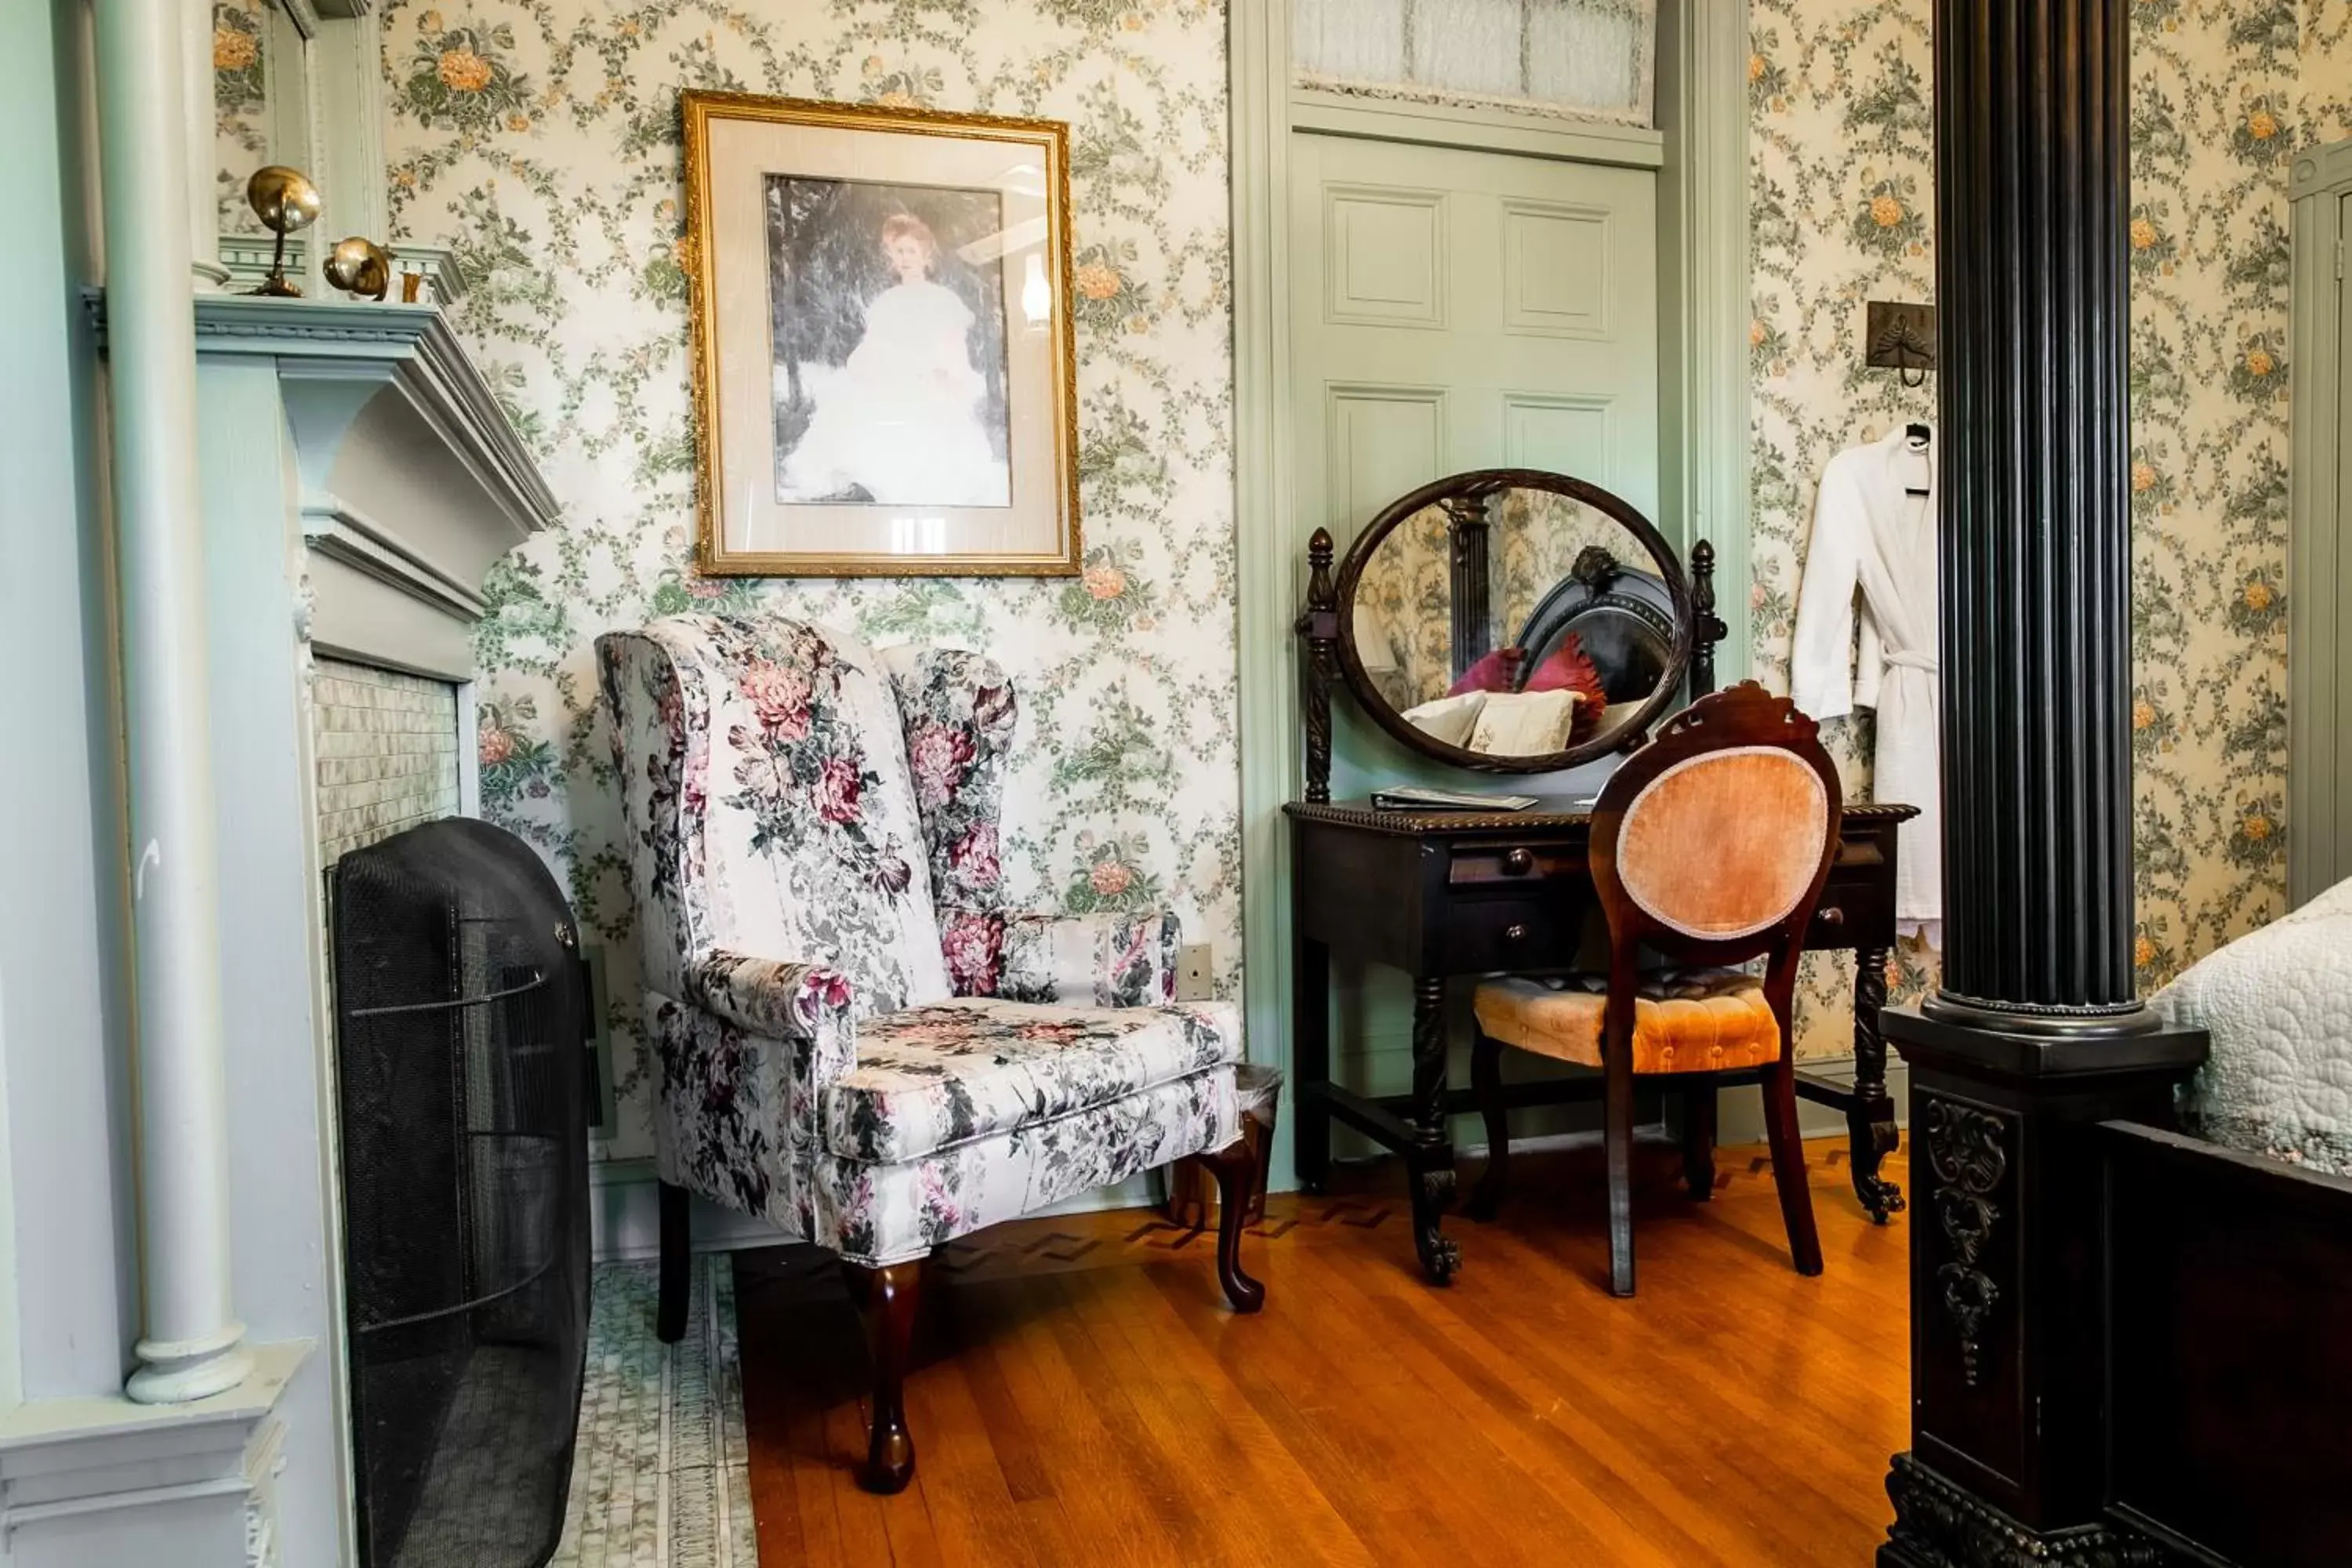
(884, 361)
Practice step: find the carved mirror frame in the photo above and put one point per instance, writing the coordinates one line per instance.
(1328, 626)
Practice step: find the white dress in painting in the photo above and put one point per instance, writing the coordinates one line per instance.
(902, 417)
(1875, 536)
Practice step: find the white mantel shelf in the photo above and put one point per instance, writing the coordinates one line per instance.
(412, 481)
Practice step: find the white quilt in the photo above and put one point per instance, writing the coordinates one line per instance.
(2278, 1002)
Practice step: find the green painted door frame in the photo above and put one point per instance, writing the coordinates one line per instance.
(1704, 386)
(2319, 528)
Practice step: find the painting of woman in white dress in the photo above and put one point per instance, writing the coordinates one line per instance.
(886, 305)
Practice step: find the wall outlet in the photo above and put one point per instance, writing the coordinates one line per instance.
(1195, 973)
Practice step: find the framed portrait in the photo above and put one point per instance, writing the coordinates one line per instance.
(884, 355)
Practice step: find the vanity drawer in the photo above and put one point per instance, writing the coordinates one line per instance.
(1499, 865)
(1503, 933)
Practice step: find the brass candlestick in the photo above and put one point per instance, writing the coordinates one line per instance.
(285, 200)
(359, 266)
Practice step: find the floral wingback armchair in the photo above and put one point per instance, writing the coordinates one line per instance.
(855, 1040)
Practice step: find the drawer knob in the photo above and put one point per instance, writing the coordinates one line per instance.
(1519, 862)
(1831, 916)
(1515, 933)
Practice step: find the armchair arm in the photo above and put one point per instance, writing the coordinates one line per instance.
(1105, 960)
(768, 997)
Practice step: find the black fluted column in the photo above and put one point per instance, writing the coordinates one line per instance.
(2035, 1035)
(2032, 191)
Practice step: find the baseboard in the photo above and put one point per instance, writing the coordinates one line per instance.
(1739, 1112)
(625, 1217)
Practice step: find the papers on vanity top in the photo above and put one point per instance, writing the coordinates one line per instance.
(1411, 798)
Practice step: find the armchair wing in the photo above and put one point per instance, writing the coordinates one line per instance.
(959, 715)
(764, 829)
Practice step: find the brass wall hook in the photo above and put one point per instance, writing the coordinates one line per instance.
(1901, 337)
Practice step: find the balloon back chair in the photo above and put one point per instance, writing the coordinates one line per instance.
(854, 1039)
(1709, 849)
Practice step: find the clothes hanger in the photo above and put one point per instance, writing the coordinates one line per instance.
(1920, 437)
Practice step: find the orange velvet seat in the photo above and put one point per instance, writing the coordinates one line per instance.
(1689, 1020)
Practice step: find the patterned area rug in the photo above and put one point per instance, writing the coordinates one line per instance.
(661, 1477)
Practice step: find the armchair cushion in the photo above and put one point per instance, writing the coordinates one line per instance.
(1103, 960)
(937, 1077)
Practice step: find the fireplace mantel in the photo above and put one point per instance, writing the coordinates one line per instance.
(355, 480)
(408, 478)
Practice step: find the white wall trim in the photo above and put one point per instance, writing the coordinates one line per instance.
(1269, 587)
(103, 1479)
(342, 531)
(1705, 289)
(1493, 130)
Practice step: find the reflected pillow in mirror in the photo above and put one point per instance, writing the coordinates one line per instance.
(1523, 723)
(1496, 672)
(1448, 719)
(1570, 670)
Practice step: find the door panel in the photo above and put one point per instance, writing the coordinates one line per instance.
(1524, 290)
(1383, 440)
(1385, 253)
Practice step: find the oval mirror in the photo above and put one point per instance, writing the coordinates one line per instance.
(1512, 620)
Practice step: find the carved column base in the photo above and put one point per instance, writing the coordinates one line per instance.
(1939, 1525)
(2008, 1302)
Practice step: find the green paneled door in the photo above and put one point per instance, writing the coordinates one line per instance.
(1453, 309)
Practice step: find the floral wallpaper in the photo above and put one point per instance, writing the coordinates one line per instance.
(1841, 209)
(538, 139)
(240, 108)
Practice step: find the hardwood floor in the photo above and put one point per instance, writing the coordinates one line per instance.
(1084, 1396)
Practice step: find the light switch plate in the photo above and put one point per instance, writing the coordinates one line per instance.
(1195, 973)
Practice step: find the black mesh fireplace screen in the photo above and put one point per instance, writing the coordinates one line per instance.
(461, 1016)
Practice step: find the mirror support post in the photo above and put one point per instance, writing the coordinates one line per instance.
(1319, 634)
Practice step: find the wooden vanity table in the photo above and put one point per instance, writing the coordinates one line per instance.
(1445, 894)
(1442, 894)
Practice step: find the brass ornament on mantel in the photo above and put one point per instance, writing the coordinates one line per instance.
(359, 267)
(285, 201)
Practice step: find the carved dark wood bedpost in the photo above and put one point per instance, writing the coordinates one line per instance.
(1707, 628)
(2036, 1034)
(1318, 652)
(1474, 627)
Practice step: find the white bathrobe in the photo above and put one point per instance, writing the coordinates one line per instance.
(1870, 535)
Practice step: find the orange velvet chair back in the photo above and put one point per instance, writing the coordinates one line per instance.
(1711, 844)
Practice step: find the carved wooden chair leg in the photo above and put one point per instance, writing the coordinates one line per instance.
(676, 1264)
(892, 1292)
(1487, 1085)
(1618, 1137)
(1236, 1169)
(1698, 1136)
(860, 1283)
(1789, 1166)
